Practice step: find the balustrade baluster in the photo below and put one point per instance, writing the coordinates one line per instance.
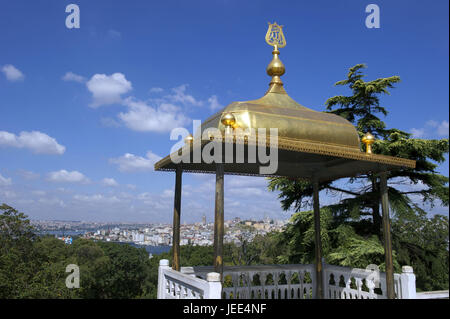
(275, 277)
(359, 286)
(235, 280)
(301, 279)
(249, 284)
(289, 279)
(262, 279)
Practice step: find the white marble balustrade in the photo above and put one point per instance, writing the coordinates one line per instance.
(173, 284)
(264, 282)
(280, 282)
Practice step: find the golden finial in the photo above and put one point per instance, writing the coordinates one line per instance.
(189, 139)
(368, 139)
(275, 69)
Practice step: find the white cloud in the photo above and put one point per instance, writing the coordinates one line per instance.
(38, 193)
(64, 176)
(431, 129)
(5, 181)
(440, 128)
(107, 89)
(160, 114)
(12, 73)
(52, 201)
(249, 192)
(145, 118)
(110, 182)
(37, 142)
(179, 96)
(132, 163)
(109, 122)
(28, 174)
(97, 198)
(168, 193)
(156, 90)
(214, 103)
(70, 76)
(443, 128)
(418, 133)
(7, 194)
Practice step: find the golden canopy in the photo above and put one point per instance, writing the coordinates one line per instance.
(310, 143)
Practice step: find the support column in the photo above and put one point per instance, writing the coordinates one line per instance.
(219, 221)
(317, 241)
(387, 237)
(176, 220)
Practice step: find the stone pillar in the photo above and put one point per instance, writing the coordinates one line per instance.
(176, 220)
(317, 242)
(390, 292)
(219, 221)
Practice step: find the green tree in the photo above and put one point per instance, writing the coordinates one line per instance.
(125, 271)
(35, 267)
(17, 256)
(341, 245)
(422, 243)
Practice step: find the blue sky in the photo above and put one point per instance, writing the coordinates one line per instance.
(86, 112)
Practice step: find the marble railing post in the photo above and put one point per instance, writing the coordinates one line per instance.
(214, 286)
(163, 264)
(408, 283)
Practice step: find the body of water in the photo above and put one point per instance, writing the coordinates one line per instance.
(61, 233)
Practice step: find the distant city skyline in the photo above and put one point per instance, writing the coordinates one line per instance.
(86, 112)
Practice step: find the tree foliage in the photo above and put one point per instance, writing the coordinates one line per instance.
(35, 267)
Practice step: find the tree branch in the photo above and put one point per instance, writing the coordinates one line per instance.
(414, 192)
(342, 190)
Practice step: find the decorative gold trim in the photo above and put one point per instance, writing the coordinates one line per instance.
(315, 148)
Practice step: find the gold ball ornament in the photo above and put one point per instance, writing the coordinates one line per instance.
(228, 120)
(368, 139)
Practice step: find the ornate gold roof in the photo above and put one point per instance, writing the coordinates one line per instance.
(293, 121)
(309, 142)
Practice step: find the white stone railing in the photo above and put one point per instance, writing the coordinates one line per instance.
(264, 282)
(173, 284)
(441, 294)
(280, 282)
(355, 283)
